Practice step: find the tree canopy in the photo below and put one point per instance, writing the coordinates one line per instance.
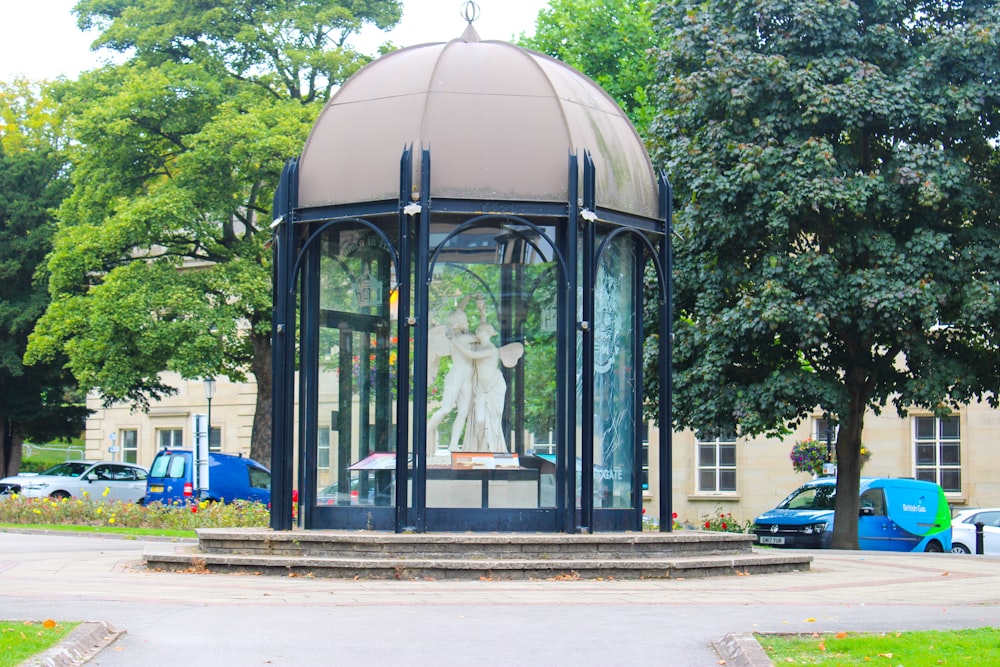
(38, 402)
(159, 262)
(837, 181)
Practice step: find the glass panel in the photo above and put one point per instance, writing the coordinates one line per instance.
(951, 455)
(727, 480)
(706, 480)
(925, 428)
(727, 455)
(491, 371)
(949, 428)
(706, 455)
(925, 455)
(926, 475)
(357, 370)
(615, 409)
(951, 480)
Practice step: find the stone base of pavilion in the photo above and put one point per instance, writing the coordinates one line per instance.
(471, 556)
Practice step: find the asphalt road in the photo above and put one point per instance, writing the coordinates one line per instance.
(239, 620)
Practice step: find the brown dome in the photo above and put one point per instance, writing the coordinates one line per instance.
(500, 122)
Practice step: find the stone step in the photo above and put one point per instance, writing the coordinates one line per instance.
(377, 555)
(191, 559)
(374, 545)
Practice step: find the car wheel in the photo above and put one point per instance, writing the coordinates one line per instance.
(60, 495)
(934, 547)
(958, 548)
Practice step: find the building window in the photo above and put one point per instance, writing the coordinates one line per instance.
(716, 463)
(170, 438)
(215, 440)
(825, 430)
(130, 445)
(938, 451)
(323, 449)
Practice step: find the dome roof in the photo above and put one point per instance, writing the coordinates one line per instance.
(500, 122)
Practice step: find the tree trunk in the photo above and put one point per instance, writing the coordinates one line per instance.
(847, 502)
(260, 438)
(10, 448)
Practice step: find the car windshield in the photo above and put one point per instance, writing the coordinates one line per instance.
(810, 497)
(68, 469)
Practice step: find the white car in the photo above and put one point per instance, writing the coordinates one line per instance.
(96, 480)
(963, 531)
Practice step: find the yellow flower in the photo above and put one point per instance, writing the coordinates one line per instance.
(100, 510)
(112, 519)
(107, 490)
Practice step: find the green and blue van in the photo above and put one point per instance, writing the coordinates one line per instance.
(896, 514)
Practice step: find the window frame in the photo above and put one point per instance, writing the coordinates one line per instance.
(176, 442)
(717, 467)
(938, 471)
(129, 439)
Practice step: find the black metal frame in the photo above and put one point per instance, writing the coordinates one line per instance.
(296, 257)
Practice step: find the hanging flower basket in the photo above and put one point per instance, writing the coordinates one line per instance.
(809, 455)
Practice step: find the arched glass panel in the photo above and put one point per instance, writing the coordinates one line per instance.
(492, 370)
(357, 367)
(616, 410)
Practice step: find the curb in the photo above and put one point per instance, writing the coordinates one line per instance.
(83, 643)
(742, 650)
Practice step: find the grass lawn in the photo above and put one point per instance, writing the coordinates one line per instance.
(133, 533)
(912, 649)
(19, 640)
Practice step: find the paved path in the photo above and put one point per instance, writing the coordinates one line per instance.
(237, 620)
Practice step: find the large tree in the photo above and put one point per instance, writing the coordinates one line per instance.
(38, 402)
(611, 41)
(159, 262)
(837, 182)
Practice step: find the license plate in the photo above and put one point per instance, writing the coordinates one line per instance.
(768, 539)
(156, 488)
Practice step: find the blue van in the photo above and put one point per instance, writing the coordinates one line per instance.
(896, 515)
(171, 479)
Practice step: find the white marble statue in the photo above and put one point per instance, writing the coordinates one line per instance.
(474, 386)
(484, 424)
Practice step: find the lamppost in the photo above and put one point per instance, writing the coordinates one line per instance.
(204, 446)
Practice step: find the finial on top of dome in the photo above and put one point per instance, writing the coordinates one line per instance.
(470, 12)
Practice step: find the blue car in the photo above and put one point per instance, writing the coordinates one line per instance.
(895, 515)
(171, 479)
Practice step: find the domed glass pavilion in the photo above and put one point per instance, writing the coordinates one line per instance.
(463, 254)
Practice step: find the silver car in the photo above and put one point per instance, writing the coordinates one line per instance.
(96, 480)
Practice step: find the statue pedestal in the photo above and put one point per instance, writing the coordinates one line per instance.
(499, 487)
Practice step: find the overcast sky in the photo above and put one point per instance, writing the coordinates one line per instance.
(39, 38)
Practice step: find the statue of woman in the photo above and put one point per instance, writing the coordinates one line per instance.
(484, 424)
(451, 340)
